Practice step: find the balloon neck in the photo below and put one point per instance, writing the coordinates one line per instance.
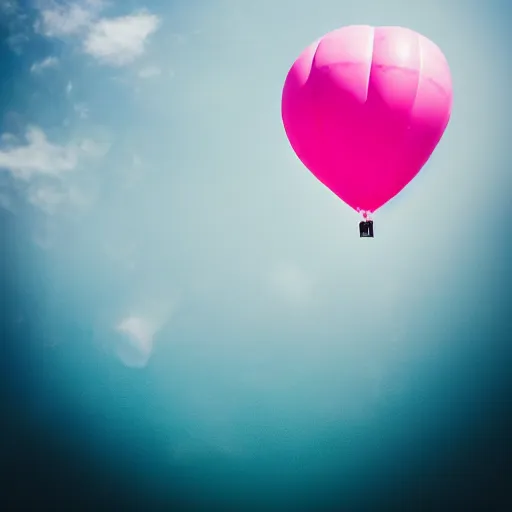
(366, 214)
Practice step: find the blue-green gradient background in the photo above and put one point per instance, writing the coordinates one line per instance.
(190, 320)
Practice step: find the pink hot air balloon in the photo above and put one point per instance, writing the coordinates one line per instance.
(364, 109)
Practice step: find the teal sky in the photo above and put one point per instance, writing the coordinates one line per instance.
(192, 301)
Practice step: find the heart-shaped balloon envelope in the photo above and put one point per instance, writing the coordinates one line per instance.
(364, 108)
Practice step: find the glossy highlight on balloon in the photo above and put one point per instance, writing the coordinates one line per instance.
(364, 108)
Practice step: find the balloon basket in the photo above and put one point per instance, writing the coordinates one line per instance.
(366, 229)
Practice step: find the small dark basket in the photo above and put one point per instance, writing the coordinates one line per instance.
(366, 229)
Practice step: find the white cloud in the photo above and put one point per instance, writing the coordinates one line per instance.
(82, 110)
(138, 328)
(113, 41)
(14, 22)
(66, 20)
(93, 149)
(43, 166)
(46, 198)
(149, 72)
(136, 346)
(38, 157)
(49, 198)
(119, 41)
(49, 62)
(16, 42)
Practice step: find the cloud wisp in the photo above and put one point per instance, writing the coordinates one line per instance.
(113, 41)
(57, 20)
(48, 63)
(119, 41)
(137, 332)
(38, 156)
(42, 166)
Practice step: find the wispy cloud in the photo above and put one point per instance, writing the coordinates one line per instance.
(8, 7)
(134, 350)
(149, 72)
(138, 331)
(14, 18)
(49, 62)
(82, 110)
(112, 41)
(119, 41)
(42, 166)
(50, 198)
(38, 157)
(59, 20)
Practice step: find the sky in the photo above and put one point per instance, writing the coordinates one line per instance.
(185, 305)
